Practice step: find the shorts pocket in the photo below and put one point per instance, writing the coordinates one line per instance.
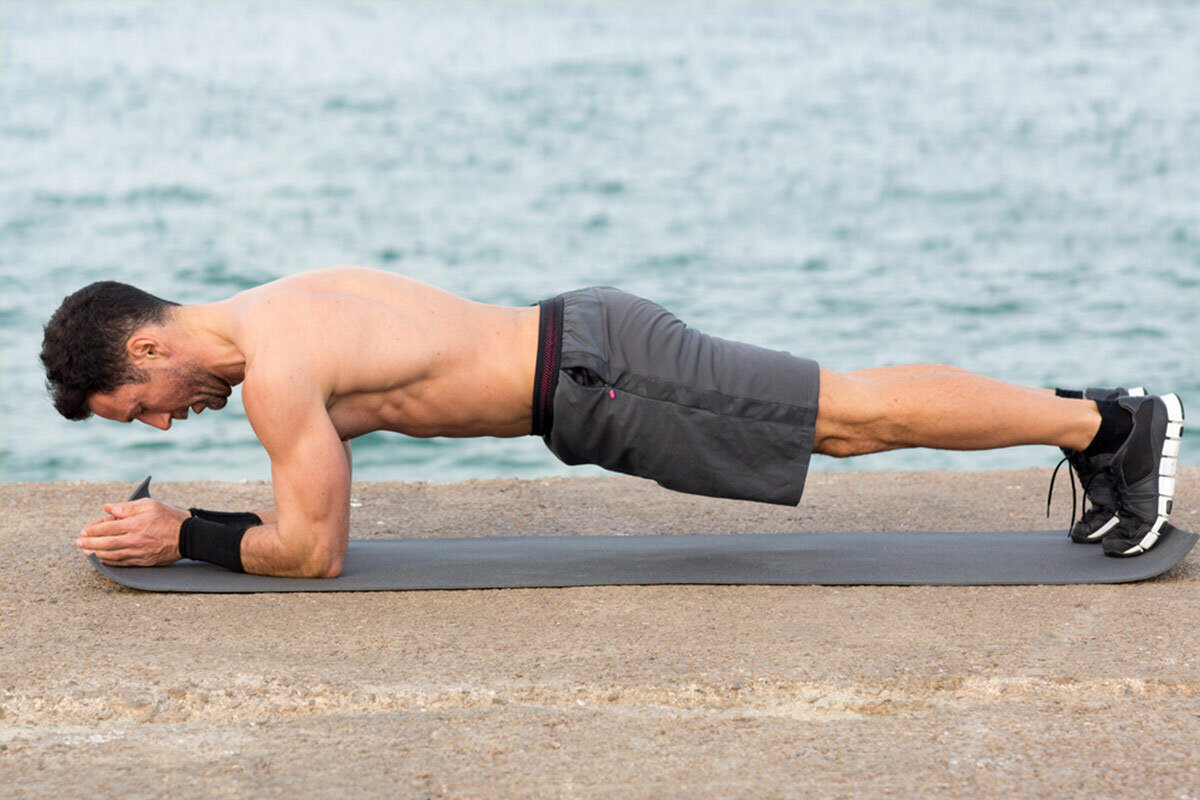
(583, 376)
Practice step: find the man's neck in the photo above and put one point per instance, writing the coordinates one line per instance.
(209, 332)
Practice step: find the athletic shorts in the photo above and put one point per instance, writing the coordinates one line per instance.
(623, 383)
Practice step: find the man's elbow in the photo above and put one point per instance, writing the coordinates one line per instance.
(319, 552)
(324, 565)
(331, 569)
(320, 561)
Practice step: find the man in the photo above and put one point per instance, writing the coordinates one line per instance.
(603, 376)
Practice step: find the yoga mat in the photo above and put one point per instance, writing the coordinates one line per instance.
(934, 558)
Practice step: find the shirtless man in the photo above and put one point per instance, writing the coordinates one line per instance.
(603, 376)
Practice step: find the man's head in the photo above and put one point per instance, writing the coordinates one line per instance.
(107, 350)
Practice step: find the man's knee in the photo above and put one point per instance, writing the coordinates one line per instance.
(849, 415)
(838, 448)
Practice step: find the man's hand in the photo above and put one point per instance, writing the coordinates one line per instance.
(138, 533)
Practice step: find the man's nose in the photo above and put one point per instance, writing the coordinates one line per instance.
(161, 421)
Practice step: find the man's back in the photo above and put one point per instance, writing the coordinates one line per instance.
(391, 353)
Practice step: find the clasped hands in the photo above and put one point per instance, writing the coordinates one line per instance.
(137, 533)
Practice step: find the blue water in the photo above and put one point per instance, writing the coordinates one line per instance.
(1009, 187)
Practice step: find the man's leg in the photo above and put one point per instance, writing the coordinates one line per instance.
(913, 369)
(932, 405)
(1136, 447)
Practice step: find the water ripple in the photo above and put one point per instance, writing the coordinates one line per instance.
(1008, 187)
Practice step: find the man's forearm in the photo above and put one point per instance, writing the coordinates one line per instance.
(270, 516)
(266, 552)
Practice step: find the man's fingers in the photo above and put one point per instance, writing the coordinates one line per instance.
(118, 512)
(120, 558)
(129, 507)
(107, 527)
(101, 544)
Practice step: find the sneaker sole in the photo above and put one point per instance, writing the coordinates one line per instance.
(1095, 536)
(1168, 464)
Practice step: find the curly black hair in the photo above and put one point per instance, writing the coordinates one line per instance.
(83, 344)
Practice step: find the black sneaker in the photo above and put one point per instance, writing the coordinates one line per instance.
(1101, 516)
(1142, 472)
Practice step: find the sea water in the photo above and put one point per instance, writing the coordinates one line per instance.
(1013, 188)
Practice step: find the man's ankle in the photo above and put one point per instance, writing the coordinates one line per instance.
(1115, 426)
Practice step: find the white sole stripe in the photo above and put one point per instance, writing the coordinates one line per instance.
(1174, 407)
(1149, 539)
(1108, 526)
(1167, 462)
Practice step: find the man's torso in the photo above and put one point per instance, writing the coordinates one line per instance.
(393, 353)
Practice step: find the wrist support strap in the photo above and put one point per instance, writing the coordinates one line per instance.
(215, 536)
(249, 518)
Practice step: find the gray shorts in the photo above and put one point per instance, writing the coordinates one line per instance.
(623, 383)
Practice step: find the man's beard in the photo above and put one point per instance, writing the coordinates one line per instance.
(195, 385)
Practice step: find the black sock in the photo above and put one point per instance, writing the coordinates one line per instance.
(1115, 426)
(1071, 393)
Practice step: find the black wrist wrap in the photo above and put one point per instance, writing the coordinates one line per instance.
(213, 541)
(249, 518)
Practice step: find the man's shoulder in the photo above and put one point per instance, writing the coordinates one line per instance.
(280, 396)
(282, 342)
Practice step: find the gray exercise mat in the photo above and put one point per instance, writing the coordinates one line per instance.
(933, 558)
(896, 559)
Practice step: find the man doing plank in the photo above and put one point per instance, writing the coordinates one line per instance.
(602, 376)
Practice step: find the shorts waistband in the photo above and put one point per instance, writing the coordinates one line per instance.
(545, 377)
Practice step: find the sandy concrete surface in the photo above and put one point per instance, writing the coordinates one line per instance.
(659, 691)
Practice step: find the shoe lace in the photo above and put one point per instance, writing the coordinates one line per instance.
(1084, 483)
(1074, 501)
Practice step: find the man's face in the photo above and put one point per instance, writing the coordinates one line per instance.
(167, 396)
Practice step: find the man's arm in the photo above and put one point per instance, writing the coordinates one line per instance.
(146, 532)
(268, 515)
(310, 471)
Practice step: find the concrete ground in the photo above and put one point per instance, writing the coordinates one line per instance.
(654, 691)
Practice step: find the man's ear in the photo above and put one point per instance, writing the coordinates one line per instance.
(144, 346)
